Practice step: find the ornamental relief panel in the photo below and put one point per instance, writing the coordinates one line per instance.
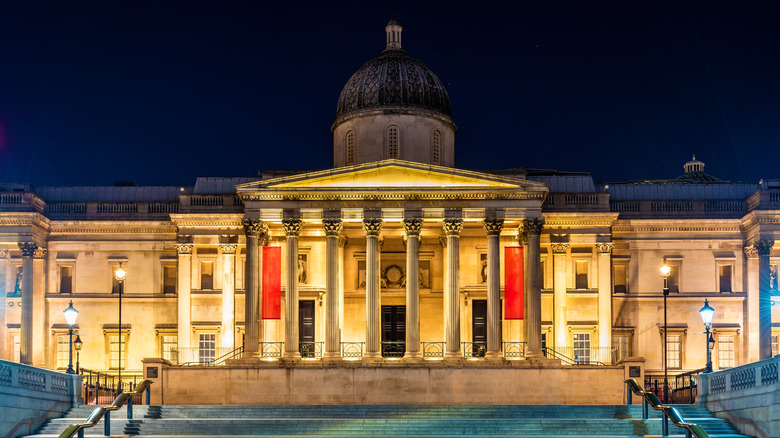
(392, 274)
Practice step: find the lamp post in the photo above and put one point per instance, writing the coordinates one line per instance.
(665, 272)
(707, 312)
(70, 316)
(120, 277)
(77, 345)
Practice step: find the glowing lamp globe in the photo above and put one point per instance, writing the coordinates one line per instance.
(71, 314)
(665, 271)
(707, 312)
(120, 274)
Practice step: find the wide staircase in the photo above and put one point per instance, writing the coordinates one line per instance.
(524, 421)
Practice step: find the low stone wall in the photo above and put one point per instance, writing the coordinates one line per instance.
(747, 395)
(388, 383)
(29, 396)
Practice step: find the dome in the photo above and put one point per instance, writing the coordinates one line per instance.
(394, 82)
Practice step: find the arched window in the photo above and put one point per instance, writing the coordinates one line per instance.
(350, 156)
(436, 148)
(392, 142)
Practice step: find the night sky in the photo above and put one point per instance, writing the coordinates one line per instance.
(163, 92)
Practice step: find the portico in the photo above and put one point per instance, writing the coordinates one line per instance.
(398, 221)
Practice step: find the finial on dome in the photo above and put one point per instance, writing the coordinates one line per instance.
(694, 165)
(393, 30)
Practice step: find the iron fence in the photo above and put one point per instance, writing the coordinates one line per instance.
(513, 350)
(474, 349)
(394, 349)
(99, 388)
(583, 356)
(433, 350)
(352, 350)
(682, 387)
(311, 350)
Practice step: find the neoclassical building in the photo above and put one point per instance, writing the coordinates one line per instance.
(392, 254)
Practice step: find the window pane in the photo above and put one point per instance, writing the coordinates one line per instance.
(63, 345)
(66, 279)
(774, 345)
(725, 278)
(206, 347)
(581, 277)
(17, 348)
(582, 348)
(620, 279)
(168, 344)
(674, 351)
(207, 275)
(169, 279)
(674, 278)
(114, 351)
(725, 351)
(621, 346)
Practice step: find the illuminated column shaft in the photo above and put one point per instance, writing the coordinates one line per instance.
(3, 294)
(26, 335)
(534, 318)
(752, 332)
(413, 228)
(764, 300)
(522, 238)
(253, 229)
(183, 300)
(493, 228)
(333, 303)
(292, 228)
(228, 295)
(373, 316)
(559, 293)
(605, 296)
(452, 228)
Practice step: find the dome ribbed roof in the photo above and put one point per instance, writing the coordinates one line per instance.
(393, 81)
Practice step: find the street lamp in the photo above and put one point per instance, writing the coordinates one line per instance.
(77, 345)
(665, 272)
(70, 317)
(120, 277)
(707, 312)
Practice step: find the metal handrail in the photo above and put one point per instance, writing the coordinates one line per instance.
(670, 412)
(552, 353)
(393, 348)
(105, 411)
(233, 354)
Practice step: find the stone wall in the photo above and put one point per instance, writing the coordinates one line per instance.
(748, 396)
(29, 396)
(402, 383)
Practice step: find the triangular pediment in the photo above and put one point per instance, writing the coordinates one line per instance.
(391, 174)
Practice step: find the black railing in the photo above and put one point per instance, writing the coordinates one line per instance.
(682, 387)
(100, 388)
(393, 348)
(311, 350)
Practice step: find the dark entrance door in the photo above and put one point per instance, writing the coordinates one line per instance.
(306, 328)
(393, 331)
(478, 328)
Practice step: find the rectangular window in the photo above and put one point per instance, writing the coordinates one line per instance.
(207, 346)
(582, 348)
(674, 352)
(113, 351)
(673, 281)
(169, 346)
(169, 279)
(66, 279)
(619, 279)
(774, 345)
(544, 274)
(114, 281)
(207, 275)
(725, 351)
(724, 278)
(63, 347)
(581, 274)
(622, 346)
(17, 348)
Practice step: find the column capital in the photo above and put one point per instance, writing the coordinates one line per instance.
(292, 226)
(560, 248)
(751, 252)
(332, 227)
(28, 248)
(4, 254)
(452, 227)
(413, 226)
(228, 248)
(254, 227)
(522, 235)
(343, 241)
(183, 248)
(605, 247)
(493, 226)
(764, 247)
(372, 226)
(40, 253)
(533, 225)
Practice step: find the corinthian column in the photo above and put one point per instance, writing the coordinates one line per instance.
(332, 303)
(605, 295)
(25, 340)
(413, 228)
(292, 228)
(764, 248)
(228, 294)
(493, 227)
(559, 293)
(3, 294)
(533, 227)
(752, 332)
(452, 228)
(373, 317)
(254, 229)
(183, 299)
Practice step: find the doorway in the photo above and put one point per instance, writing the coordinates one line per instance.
(306, 328)
(393, 331)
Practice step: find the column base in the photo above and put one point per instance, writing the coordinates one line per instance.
(494, 355)
(373, 357)
(332, 357)
(412, 356)
(453, 355)
(291, 357)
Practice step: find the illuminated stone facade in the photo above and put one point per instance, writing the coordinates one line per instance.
(392, 254)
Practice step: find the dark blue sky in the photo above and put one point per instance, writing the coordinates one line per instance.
(162, 92)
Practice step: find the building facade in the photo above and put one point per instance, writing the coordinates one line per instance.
(392, 254)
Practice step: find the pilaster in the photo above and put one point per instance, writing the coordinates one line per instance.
(752, 332)
(605, 294)
(764, 248)
(560, 320)
(184, 298)
(228, 294)
(26, 335)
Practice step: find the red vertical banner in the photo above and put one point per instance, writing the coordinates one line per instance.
(272, 282)
(513, 282)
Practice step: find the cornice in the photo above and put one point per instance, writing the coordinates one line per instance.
(112, 227)
(232, 221)
(676, 229)
(309, 194)
(16, 219)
